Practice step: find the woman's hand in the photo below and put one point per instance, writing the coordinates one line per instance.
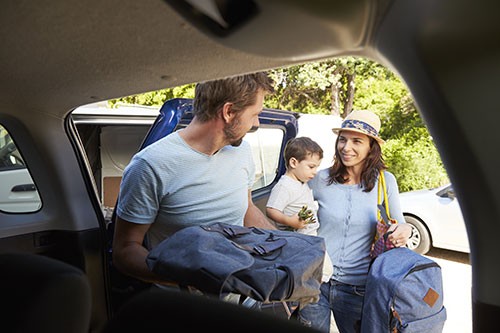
(401, 232)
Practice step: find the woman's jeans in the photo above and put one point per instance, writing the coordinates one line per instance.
(346, 302)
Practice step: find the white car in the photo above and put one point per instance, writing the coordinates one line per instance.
(17, 191)
(436, 219)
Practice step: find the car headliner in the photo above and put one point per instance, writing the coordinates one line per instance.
(57, 55)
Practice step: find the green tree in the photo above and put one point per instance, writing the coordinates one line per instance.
(325, 87)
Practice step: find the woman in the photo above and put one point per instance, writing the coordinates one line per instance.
(347, 197)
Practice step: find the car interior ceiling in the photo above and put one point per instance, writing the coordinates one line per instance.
(59, 55)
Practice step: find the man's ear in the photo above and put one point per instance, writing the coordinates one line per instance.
(227, 112)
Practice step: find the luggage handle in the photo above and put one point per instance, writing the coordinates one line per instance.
(264, 249)
(386, 235)
(228, 231)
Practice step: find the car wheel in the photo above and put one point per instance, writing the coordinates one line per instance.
(420, 241)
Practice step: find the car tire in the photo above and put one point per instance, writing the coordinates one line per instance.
(420, 241)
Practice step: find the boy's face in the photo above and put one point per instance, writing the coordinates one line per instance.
(306, 169)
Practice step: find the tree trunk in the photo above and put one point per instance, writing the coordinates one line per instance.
(351, 87)
(335, 104)
(335, 98)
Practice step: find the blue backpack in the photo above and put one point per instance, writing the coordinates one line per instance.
(404, 293)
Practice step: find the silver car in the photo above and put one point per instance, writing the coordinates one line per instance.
(436, 220)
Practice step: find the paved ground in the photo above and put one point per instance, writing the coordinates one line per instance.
(457, 285)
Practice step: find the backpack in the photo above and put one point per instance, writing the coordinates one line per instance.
(265, 265)
(404, 293)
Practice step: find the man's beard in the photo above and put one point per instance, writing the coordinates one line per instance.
(237, 142)
(230, 133)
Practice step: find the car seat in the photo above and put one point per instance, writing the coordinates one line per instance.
(42, 294)
(158, 310)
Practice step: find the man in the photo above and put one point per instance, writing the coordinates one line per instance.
(198, 175)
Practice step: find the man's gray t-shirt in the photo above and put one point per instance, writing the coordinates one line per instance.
(173, 186)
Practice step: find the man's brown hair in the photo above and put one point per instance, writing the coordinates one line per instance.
(241, 91)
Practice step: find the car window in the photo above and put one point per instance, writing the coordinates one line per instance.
(18, 193)
(266, 147)
(118, 145)
(109, 149)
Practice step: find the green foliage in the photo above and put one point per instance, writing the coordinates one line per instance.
(309, 88)
(415, 161)
(300, 89)
(378, 94)
(156, 97)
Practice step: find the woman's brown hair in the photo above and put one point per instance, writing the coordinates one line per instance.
(374, 163)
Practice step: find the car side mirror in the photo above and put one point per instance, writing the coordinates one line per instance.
(447, 192)
(450, 194)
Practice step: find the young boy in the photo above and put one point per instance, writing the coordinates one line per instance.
(292, 194)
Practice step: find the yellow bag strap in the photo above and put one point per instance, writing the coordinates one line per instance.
(381, 196)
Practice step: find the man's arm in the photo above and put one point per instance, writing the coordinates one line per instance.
(129, 255)
(254, 217)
